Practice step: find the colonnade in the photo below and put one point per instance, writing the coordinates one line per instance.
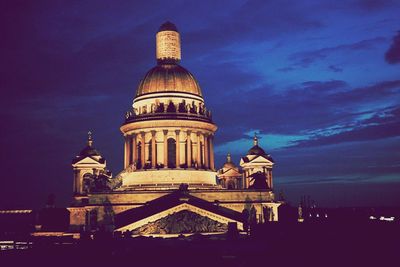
(142, 152)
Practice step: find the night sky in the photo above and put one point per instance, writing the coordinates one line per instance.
(318, 81)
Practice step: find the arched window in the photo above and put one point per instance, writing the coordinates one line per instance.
(150, 151)
(139, 155)
(171, 153)
(87, 182)
(231, 185)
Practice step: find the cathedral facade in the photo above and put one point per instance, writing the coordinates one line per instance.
(169, 184)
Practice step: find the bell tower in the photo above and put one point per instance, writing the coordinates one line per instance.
(86, 166)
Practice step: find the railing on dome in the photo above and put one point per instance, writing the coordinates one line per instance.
(167, 113)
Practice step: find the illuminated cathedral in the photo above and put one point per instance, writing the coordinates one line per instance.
(170, 184)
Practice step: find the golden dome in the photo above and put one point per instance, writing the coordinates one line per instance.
(168, 78)
(229, 164)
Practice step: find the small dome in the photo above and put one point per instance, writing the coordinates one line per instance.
(229, 164)
(256, 150)
(89, 151)
(167, 26)
(168, 78)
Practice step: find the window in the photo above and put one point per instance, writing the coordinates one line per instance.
(171, 153)
(87, 182)
(139, 155)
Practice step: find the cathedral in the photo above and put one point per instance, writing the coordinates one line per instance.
(170, 184)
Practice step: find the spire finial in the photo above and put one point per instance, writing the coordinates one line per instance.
(228, 158)
(90, 139)
(255, 139)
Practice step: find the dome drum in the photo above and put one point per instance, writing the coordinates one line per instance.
(176, 112)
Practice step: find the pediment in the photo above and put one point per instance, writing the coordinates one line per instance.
(87, 161)
(258, 160)
(181, 222)
(207, 220)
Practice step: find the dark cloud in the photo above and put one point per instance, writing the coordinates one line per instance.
(392, 55)
(306, 58)
(335, 68)
(388, 126)
(306, 107)
(286, 69)
(374, 5)
(255, 20)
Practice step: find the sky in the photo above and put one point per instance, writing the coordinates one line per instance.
(317, 81)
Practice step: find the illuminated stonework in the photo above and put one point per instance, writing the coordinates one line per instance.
(168, 45)
(169, 131)
(169, 161)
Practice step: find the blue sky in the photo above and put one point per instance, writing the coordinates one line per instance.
(319, 81)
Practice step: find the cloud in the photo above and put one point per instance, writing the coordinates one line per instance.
(335, 68)
(392, 55)
(374, 5)
(377, 127)
(314, 108)
(305, 58)
(255, 20)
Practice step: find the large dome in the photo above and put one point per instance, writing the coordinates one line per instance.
(168, 78)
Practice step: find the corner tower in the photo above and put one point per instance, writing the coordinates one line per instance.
(168, 131)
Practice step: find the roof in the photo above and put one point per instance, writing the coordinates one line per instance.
(256, 150)
(168, 201)
(268, 157)
(168, 78)
(168, 26)
(89, 152)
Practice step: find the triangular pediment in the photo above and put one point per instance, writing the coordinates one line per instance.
(261, 159)
(181, 222)
(87, 161)
(221, 219)
(172, 203)
(256, 160)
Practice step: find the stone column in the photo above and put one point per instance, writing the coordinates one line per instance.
(270, 178)
(211, 137)
(76, 181)
(126, 152)
(178, 148)
(165, 148)
(153, 149)
(189, 150)
(206, 159)
(142, 156)
(245, 175)
(134, 149)
(198, 160)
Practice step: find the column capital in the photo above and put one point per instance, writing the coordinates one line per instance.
(165, 132)
(177, 132)
(153, 133)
